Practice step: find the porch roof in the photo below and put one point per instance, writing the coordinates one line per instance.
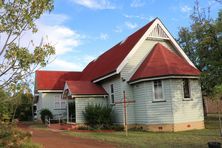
(85, 88)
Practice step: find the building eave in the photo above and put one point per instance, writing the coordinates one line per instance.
(51, 91)
(105, 77)
(163, 77)
(88, 95)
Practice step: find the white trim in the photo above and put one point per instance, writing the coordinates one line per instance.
(104, 77)
(88, 96)
(144, 37)
(174, 42)
(156, 38)
(50, 91)
(162, 88)
(164, 77)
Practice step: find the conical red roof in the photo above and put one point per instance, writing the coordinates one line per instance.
(163, 62)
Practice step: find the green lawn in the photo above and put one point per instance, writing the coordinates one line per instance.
(195, 138)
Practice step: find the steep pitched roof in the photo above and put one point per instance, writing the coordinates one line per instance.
(109, 61)
(54, 80)
(163, 62)
(85, 88)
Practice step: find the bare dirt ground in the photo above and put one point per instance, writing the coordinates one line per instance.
(52, 139)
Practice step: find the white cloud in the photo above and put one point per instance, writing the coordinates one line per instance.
(118, 29)
(136, 16)
(137, 3)
(103, 36)
(51, 30)
(64, 65)
(185, 9)
(95, 4)
(131, 25)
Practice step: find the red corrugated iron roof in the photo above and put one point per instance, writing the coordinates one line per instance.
(85, 88)
(54, 80)
(103, 65)
(109, 61)
(163, 62)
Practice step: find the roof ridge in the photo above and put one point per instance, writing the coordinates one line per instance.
(164, 57)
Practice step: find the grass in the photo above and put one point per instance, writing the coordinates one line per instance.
(31, 145)
(195, 138)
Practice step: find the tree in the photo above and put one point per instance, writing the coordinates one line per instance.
(202, 42)
(18, 62)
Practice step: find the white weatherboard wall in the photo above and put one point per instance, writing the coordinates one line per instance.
(47, 101)
(81, 103)
(130, 68)
(118, 96)
(186, 111)
(146, 110)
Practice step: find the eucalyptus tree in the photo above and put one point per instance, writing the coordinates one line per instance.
(18, 61)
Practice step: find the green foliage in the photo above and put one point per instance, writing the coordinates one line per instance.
(19, 62)
(98, 116)
(45, 113)
(5, 106)
(24, 112)
(10, 136)
(24, 107)
(217, 92)
(202, 42)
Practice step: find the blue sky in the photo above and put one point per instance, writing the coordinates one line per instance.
(83, 29)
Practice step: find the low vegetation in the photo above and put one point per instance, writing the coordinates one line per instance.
(12, 137)
(98, 116)
(195, 138)
(45, 114)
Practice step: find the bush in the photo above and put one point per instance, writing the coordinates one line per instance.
(24, 112)
(98, 116)
(45, 113)
(10, 136)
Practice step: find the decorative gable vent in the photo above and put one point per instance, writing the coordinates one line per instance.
(158, 33)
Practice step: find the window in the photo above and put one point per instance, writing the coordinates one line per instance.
(186, 88)
(158, 92)
(112, 93)
(59, 103)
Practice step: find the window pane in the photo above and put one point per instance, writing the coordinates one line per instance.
(63, 104)
(112, 97)
(186, 89)
(158, 94)
(57, 105)
(111, 87)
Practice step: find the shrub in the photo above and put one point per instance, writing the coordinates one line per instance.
(45, 113)
(98, 116)
(24, 112)
(10, 136)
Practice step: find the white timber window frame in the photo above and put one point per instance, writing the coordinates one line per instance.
(186, 89)
(59, 103)
(112, 97)
(158, 93)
